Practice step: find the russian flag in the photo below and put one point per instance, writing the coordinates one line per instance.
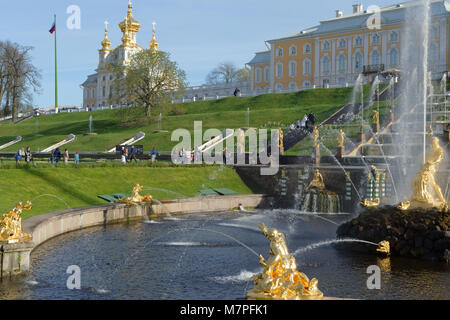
(53, 29)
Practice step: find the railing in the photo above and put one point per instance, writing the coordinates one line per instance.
(373, 68)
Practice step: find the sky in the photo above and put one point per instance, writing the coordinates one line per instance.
(199, 34)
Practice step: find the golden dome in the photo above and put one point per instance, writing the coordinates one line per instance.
(106, 43)
(133, 24)
(154, 44)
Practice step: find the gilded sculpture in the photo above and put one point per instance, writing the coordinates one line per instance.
(280, 279)
(281, 143)
(317, 181)
(426, 192)
(136, 198)
(11, 224)
(370, 203)
(384, 247)
(341, 138)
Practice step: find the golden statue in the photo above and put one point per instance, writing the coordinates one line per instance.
(280, 279)
(11, 224)
(430, 131)
(425, 188)
(404, 205)
(370, 203)
(375, 117)
(341, 138)
(136, 197)
(317, 181)
(316, 136)
(280, 136)
(384, 247)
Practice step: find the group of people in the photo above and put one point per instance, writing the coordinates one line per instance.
(307, 123)
(56, 155)
(128, 155)
(23, 154)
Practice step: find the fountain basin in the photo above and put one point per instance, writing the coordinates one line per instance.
(417, 233)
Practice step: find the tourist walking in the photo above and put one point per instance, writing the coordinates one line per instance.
(77, 158)
(56, 156)
(133, 154)
(28, 155)
(66, 156)
(298, 124)
(18, 157)
(304, 121)
(123, 158)
(154, 154)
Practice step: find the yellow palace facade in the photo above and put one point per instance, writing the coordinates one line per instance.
(335, 52)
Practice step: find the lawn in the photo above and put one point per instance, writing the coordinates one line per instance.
(269, 110)
(65, 187)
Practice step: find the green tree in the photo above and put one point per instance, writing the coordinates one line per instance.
(149, 80)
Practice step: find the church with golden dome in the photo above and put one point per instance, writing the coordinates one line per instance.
(97, 87)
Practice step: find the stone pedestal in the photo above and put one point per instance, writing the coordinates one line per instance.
(316, 152)
(375, 127)
(14, 259)
(340, 152)
(361, 137)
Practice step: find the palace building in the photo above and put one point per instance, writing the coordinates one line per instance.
(335, 52)
(97, 87)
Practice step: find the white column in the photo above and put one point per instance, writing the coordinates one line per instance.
(443, 44)
(317, 62)
(366, 49)
(333, 62)
(349, 61)
(272, 67)
(384, 37)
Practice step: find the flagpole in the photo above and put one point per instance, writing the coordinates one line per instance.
(56, 74)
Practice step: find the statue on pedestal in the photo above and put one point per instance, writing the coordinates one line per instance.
(317, 181)
(136, 198)
(426, 192)
(280, 279)
(11, 224)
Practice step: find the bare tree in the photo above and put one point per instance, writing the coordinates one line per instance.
(227, 72)
(18, 77)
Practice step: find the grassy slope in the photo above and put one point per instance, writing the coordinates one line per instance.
(80, 186)
(42, 132)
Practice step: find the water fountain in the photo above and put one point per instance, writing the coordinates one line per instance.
(91, 127)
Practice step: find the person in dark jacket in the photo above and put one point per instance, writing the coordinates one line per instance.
(133, 154)
(28, 155)
(56, 155)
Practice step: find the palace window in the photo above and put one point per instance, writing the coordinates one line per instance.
(342, 63)
(258, 75)
(279, 52)
(266, 74)
(435, 30)
(394, 36)
(279, 70)
(279, 87)
(393, 57)
(307, 48)
(342, 44)
(326, 45)
(307, 84)
(358, 61)
(104, 91)
(292, 85)
(325, 64)
(375, 57)
(292, 68)
(293, 50)
(358, 41)
(376, 38)
(307, 67)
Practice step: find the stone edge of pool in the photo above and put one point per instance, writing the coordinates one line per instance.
(15, 258)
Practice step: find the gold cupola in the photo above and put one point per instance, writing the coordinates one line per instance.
(133, 24)
(106, 43)
(154, 44)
